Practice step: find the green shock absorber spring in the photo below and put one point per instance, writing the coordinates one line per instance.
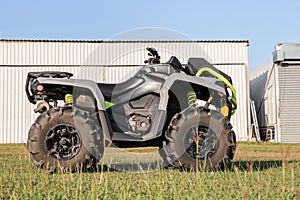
(192, 99)
(69, 99)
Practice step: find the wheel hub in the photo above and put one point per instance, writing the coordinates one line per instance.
(207, 142)
(63, 142)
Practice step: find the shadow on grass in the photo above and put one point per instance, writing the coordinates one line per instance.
(129, 167)
(253, 165)
(259, 165)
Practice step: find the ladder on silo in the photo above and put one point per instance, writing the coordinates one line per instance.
(255, 123)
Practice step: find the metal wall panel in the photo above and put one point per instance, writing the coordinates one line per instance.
(106, 53)
(269, 99)
(257, 93)
(262, 92)
(241, 119)
(83, 60)
(16, 113)
(289, 103)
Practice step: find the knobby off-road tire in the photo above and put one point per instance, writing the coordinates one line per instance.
(217, 141)
(65, 139)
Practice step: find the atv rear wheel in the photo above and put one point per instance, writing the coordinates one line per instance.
(59, 139)
(199, 139)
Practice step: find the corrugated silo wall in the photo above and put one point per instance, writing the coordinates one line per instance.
(261, 92)
(257, 91)
(289, 103)
(85, 59)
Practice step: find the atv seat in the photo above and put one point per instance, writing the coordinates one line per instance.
(108, 90)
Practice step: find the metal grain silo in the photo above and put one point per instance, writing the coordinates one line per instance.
(275, 87)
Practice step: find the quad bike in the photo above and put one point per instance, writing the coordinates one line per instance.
(184, 110)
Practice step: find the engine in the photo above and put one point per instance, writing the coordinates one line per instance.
(139, 123)
(135, 116)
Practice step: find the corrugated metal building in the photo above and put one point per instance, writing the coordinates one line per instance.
(275, 88)
(100, 61)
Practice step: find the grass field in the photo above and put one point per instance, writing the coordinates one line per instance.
(260, 171)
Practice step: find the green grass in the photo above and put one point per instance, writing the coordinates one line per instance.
(260, 171)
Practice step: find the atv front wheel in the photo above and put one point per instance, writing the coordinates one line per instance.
(200, 139)
(59, 137)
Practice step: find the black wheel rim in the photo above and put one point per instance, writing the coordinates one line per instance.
(208, 142)
(63, 142)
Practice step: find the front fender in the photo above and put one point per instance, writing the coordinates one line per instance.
(210, 83)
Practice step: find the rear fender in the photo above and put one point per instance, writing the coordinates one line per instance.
(93, 88)
(85, 84)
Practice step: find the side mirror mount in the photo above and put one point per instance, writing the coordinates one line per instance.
(155, 57)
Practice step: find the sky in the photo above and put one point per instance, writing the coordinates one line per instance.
(263, 22)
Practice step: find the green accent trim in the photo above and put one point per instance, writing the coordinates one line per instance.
(108, 104)
(228, 84)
